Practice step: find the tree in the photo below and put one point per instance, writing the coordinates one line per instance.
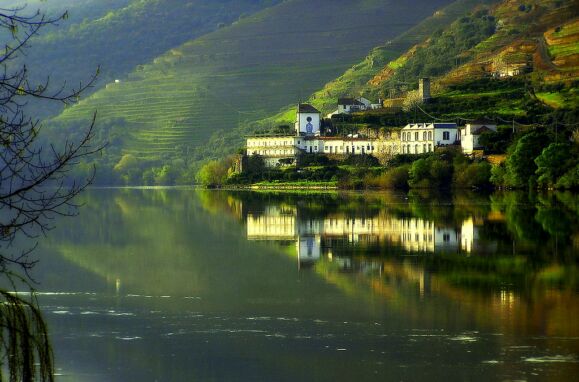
(554, 162)
(34, 187)
(520, 164)
(412, 101)
(214, 173)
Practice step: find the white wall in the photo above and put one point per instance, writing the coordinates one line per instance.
(439, 136)
(302, 122)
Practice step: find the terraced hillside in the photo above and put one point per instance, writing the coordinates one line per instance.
(167, 109)
(363, 78)
(500, 38)
(118, 35)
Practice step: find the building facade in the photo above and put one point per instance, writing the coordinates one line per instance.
(419, 138)
(470, 134)
(414, 138)
(308, 120)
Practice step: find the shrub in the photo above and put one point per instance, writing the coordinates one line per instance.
(395, 178)
(472, 175)
(364, 160)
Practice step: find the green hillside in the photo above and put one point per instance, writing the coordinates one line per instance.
(357, 80)
(461, 55)
(118, 35)
(78, 9)
(164, 112)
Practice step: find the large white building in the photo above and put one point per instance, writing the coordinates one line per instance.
(414, 138)
(283, 150)
(418, 138)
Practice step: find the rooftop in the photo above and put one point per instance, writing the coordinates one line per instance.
(307, 108)
(436, 125)
(349, 101)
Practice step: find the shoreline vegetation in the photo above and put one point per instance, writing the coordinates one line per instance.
(534, 161)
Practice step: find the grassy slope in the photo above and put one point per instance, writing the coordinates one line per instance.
(525, 36)
(356, 80)
(171, 106)
(120, 34)
(518, 39)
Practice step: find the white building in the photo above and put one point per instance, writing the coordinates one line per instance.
(307, 120)
(275, 150)
(469, 135)
(418, 138)
(348, 105)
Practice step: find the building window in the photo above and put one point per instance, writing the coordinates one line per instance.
(430, 135)
(424, 136)
(446, 135)
(416, 135)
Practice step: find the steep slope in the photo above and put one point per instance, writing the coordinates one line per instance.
(530, 61)
(501, 39)
(118, 35)
(78, 9)
(359, 79)
(391, 58)
(168, 109)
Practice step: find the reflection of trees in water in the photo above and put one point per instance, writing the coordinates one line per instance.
(522, 239)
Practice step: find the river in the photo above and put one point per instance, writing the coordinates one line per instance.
(195, 285)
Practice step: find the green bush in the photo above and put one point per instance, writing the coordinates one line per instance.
(364, 160)
(554, 161)
(472, 175)
(394, 178)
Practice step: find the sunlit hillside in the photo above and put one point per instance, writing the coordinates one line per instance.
(167, 109)
(517, 44)
(360, 79)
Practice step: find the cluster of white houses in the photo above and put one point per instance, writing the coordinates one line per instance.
(415, 138)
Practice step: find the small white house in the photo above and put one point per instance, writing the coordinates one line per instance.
(348, 105)
(470, 134)
(418, 138)
(307, 120)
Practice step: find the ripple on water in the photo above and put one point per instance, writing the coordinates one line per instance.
(552, 358)
(61, 312)
(129, 338)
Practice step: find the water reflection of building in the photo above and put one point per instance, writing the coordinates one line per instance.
(315, 236)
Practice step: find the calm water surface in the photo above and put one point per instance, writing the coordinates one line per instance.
(187, 285)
